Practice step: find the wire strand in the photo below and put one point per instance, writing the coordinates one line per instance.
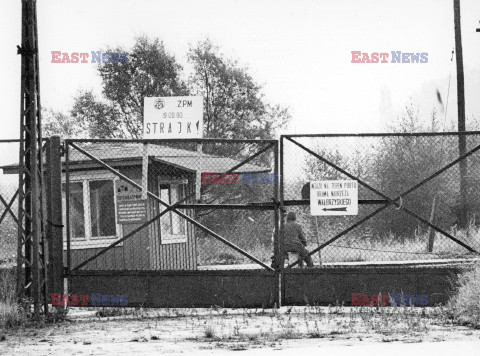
(371, 249)
(448, 91)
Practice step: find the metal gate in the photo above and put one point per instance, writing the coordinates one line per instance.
(172, 223)
(195, 222)
(413, 191)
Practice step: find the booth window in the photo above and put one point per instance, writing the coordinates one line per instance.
(77, 219)
(173, 228)
(92, 211)
(102, 208)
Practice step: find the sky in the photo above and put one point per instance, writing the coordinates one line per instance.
(299, 50)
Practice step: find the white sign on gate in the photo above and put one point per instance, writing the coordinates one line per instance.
(173, 117)
(334, 197)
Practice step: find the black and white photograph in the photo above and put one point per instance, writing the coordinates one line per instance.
(240, 177)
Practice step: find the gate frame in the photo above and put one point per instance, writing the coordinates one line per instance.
(54, 220)
(270, 144)
(397, 201)
(278, 206)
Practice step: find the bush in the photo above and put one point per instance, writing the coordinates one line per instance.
(8, 241)
(393, 165)
(11, 314)
(464, 305)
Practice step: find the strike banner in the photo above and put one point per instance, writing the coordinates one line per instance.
(173, 117)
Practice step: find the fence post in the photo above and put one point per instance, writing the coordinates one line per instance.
(279, 251)
(431, 232)
(462, 139)
(275, 228)
(54, 216)
(48, 227)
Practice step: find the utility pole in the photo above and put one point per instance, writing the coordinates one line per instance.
(462, 142)
(31, 271)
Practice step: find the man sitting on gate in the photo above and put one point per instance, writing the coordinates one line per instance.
(294, 239)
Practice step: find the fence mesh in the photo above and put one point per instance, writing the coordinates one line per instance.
(392, 165)
(8, 202)
(233, 206)
(220, 185)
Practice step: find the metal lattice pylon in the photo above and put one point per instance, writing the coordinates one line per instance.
(31, 271)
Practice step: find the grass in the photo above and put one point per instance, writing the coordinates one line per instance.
(209, 331)
(288, 329)
(313, 322)
(464, 306)
(106, 312)
(262, 326)
(12, 315)
(213, 252)
(239, 329)
(354, 247)
(351, 248)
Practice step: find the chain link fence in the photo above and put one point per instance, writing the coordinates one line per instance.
(227, 188)
(392, 164)
(223, 188)
(8, 202)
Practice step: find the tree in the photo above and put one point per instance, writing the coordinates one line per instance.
(403, 162)
(58, 123)
(234, 104)
(234, 107)
(393, 165)
(99, 119)
(149, 71)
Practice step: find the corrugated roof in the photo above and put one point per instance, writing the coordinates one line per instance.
(186, 159)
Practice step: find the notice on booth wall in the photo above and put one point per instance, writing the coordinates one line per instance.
(173, 117)
(131, 208)
(334, 197)
(132, 211)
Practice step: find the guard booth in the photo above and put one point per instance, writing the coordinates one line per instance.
(95, 198)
